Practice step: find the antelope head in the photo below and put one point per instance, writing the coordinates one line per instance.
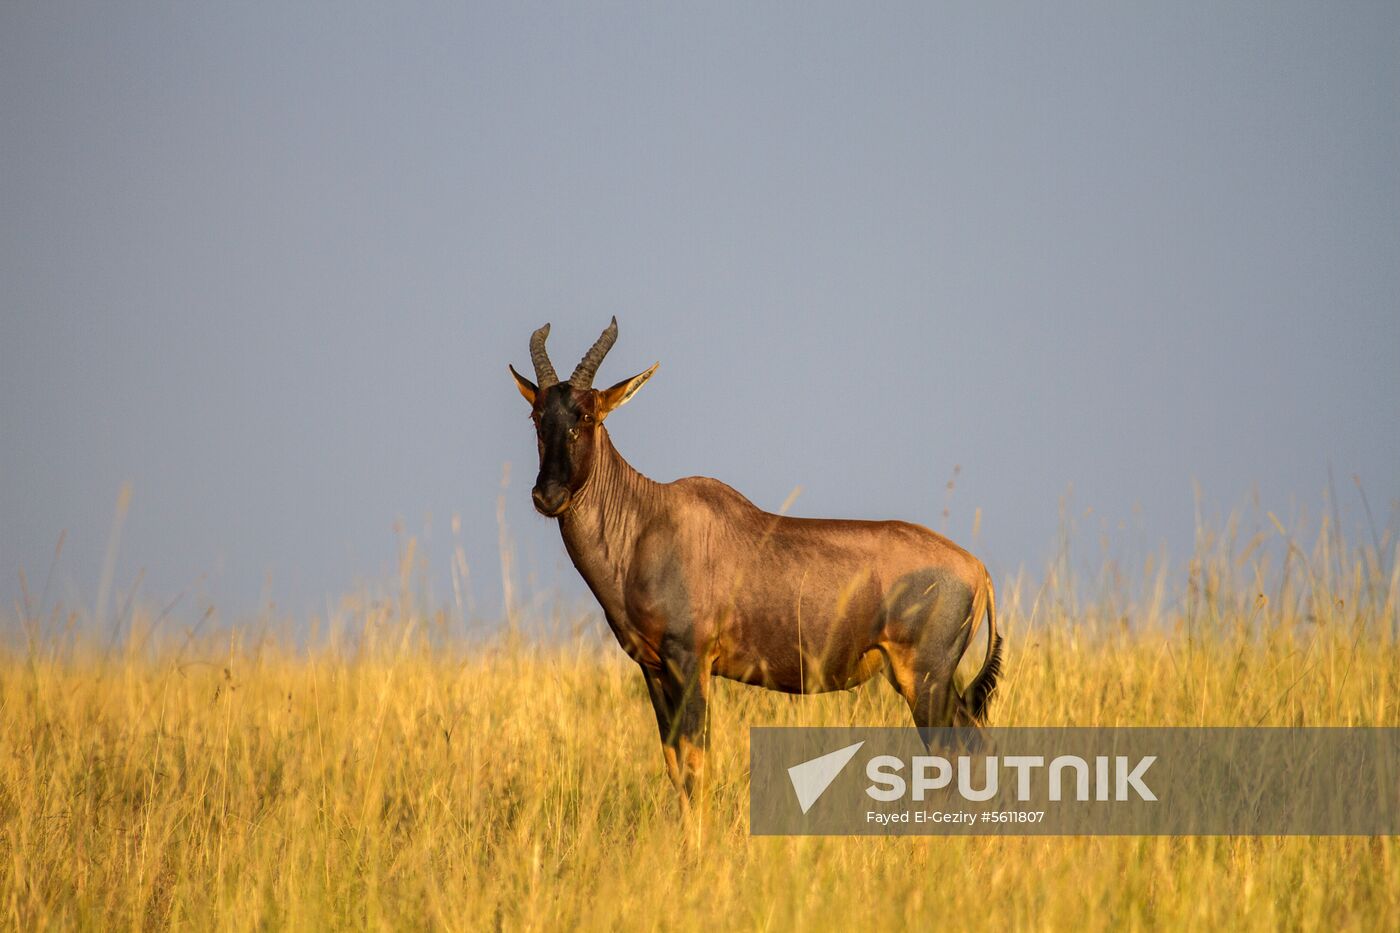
(568, 416)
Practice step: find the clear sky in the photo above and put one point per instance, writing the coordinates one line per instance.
(268, 262)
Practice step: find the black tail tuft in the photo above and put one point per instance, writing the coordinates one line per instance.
(978, 695)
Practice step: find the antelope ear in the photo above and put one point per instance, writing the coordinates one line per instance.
(618, 395)
(526, 387)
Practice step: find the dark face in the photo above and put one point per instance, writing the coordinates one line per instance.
(566, 423)
(567, 415)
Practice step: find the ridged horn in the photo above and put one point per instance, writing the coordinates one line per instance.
(588, 366)
(544, 369)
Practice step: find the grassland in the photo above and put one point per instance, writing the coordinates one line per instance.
(391, 773)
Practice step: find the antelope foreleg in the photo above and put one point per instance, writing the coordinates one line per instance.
(679, 694)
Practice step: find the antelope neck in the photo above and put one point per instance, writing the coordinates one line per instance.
(606, 516)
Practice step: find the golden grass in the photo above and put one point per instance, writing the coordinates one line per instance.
(403, 779)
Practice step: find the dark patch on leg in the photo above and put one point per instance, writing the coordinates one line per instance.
(928, 623)
(679, 694)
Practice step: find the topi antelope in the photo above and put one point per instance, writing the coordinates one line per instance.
(696, 581)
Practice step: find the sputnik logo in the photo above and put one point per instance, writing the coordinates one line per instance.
(811, 778)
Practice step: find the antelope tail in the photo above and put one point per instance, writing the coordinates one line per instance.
(978, 694)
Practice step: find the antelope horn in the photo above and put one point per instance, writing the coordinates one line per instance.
(544, 369)
(588, 366)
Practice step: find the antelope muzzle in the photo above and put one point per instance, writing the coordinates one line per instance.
(551, 499)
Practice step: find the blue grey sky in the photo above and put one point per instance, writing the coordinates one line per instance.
(267, 263)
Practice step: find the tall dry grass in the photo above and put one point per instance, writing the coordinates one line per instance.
(389, 773)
